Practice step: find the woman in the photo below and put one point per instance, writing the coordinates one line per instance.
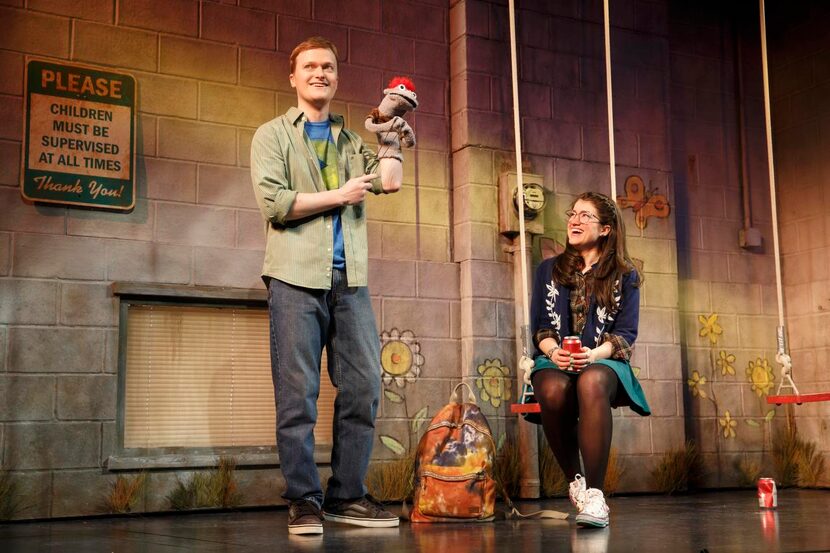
(590, 291)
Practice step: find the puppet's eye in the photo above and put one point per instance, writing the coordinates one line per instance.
(402, 87)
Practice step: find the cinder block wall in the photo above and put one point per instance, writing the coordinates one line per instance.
(717, 276)
(727, 414)
(564, 125)
(800, 81)
(208, 74)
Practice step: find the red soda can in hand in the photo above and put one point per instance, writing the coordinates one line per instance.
(767, 493)
(572, 344)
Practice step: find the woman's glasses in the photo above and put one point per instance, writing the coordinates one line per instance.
(583, 217)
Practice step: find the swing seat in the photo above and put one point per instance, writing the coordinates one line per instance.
(798, 399)
(525, 408)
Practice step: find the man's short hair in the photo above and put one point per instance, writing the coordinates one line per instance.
(312, 43)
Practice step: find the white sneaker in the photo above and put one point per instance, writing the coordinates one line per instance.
(594, 510)
(576, 492)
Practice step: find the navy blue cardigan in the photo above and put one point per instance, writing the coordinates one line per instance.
(550, 309)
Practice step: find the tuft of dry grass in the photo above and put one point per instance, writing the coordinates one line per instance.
(124, 492)
(508, 468)
(678, 469)
(797, 462)
(614, 473)
(215, 488)
(10, 503)
(552, 478)
(392, 480)
(810, 465)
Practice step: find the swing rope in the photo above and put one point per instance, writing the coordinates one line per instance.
(525, 361)
(520, 200)
(610, 101)
(782, 357)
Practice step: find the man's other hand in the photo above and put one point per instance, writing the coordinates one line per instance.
(353, 192)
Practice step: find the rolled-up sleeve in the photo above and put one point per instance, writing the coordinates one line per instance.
(372, 165)
(274, 193)
(621, 348)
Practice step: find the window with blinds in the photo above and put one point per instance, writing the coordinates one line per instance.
(201, 377)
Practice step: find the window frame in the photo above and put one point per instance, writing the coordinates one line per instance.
(142, 294)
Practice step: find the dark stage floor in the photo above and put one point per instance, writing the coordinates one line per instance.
(715, 521)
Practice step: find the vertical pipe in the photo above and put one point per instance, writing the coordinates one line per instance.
(745, 194)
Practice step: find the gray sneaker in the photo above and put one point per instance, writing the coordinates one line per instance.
(304, 517)
(364, 511)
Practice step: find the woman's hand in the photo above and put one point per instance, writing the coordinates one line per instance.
(559, 357)
(582, 359)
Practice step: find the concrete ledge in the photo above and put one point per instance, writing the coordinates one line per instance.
(188, 293)
(186, 460)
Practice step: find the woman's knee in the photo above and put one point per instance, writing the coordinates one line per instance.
(596, 381)
(551, 390)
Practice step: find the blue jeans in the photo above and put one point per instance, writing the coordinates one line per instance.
(303, 320)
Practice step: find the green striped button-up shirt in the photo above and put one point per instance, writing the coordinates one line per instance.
(283, 164)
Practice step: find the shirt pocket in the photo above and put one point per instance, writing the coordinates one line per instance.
(356, 166)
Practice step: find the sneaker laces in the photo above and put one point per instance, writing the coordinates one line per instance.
(576, 491)
(371, 503)
(594, 503)
(304, 507)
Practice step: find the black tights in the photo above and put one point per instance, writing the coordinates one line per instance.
(576, 416)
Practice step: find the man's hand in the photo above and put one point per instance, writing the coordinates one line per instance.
(354, 191)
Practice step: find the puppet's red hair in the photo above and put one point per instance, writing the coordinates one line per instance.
(401, 80)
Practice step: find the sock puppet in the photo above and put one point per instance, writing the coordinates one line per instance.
(387, 121)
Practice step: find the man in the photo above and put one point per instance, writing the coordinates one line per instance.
(311, 176)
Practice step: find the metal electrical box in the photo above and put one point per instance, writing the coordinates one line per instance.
(534, 203)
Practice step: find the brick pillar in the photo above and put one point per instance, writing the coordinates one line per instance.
(481, 145)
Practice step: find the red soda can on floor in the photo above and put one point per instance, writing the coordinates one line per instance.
(767, 493)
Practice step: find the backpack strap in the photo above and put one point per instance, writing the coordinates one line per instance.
(455, 396)
(512, 513)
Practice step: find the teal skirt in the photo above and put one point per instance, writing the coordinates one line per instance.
(633, 396)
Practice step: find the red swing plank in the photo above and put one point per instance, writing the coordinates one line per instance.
(525, 408)
(799, 399)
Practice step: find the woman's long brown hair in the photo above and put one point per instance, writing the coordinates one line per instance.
(613, 260)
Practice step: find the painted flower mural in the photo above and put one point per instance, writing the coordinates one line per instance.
(696, 383)
(400, 357)
(760, 376)
(728, 424)
(494, 383)
(401, 362)
(710, 327)
(725, 363)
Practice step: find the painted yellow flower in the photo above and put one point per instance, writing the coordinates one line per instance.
(494, 384)
(710, 327)
(760, 375)
(728, 424)
(400, 357)
(696, 385)
(724, 363)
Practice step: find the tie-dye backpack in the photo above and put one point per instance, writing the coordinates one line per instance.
(454, 466)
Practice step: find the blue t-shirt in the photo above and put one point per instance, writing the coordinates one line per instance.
(323, 142)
